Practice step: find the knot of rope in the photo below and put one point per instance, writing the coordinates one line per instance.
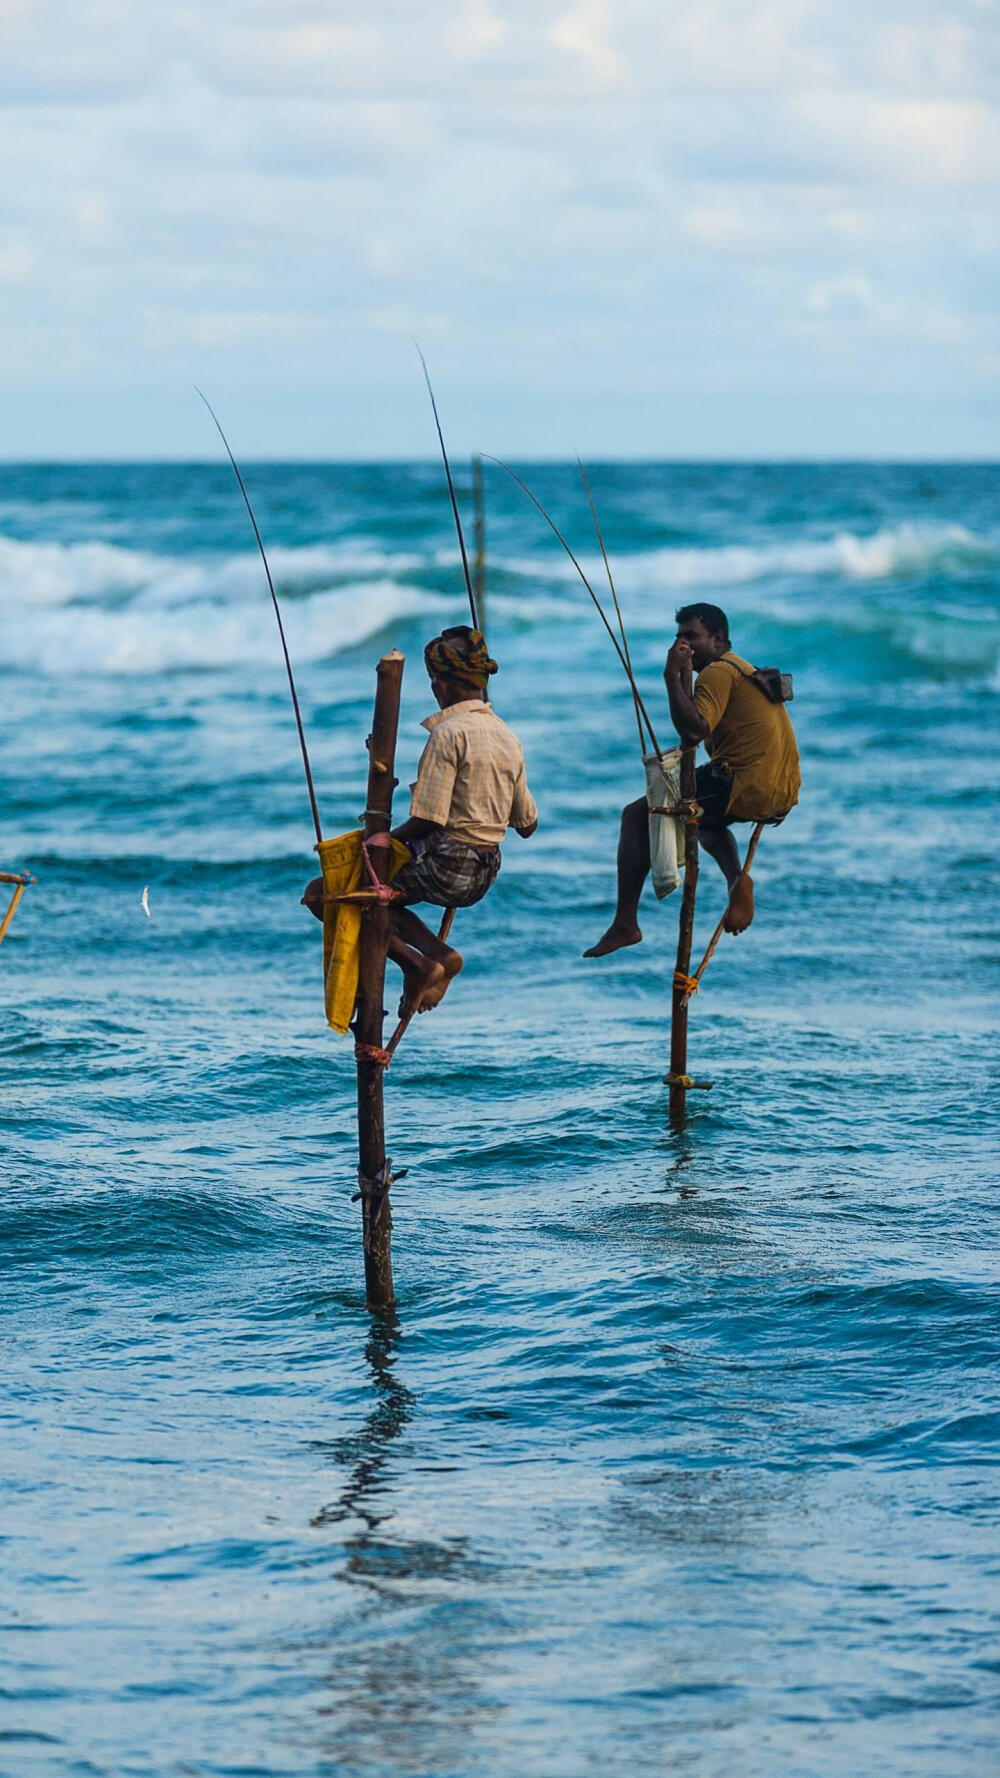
(363, 897)
(374, 1195)
(686, 984)
(372, 1052)
(380, 893)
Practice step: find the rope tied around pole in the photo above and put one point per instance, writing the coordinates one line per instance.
(685, 984)
(363, 897)
(375, 1192)
(381, 893)
(372, 1052)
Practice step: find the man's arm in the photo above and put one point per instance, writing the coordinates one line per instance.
(413, 828)
(684, 713)
(523, 810)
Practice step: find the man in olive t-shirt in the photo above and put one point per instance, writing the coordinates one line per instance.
(752, 772)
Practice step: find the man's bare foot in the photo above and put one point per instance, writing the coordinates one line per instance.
(739, 913)
(615, 939)
(434, 995)
(420, 979)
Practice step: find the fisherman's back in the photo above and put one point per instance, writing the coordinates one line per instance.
(471, 778)
(751, 737)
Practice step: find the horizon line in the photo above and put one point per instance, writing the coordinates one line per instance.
(548, 459)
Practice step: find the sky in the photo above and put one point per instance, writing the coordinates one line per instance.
(723, 229)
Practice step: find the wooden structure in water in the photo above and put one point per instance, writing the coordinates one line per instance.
(678, 1079)
(684, 983)
(20, 879)
(374, 1165)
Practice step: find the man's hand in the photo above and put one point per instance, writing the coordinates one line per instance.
(684, 713)
(526, 832)
(678, 660)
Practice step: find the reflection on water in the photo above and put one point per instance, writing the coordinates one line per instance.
(408, 1696)
(366, 1453)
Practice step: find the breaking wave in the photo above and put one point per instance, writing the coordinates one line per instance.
(98, 607)
(92, 639)
(70, 573)
(896, 552)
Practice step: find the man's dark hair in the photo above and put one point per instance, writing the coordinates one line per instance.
(715, 621)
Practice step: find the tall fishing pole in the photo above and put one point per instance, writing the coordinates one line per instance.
(277, 612)
(451, 489)
(614, 595)
(600, 609)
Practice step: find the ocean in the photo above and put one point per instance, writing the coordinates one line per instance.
(679, 1454)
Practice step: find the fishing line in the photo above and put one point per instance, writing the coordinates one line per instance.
(618, 609)
(600, 609)
(451, 489)
(277, 612)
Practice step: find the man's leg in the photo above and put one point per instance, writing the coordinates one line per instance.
(416, 940)
(427, 964)
(633, 869)
(421, 975)
(719, 843)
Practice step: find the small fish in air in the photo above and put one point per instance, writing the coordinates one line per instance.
(145, 904)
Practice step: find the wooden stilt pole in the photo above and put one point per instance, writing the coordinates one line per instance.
(22, 884)
(677, 1078)
(717, 934)
(374, 1169)
(479, 539)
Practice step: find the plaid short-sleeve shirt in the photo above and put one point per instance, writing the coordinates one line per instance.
(471, 778)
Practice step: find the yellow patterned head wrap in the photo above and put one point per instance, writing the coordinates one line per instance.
(460, 654)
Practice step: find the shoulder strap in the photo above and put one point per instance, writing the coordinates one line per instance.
(726, 660)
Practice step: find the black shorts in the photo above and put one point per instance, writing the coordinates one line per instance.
(714, 788)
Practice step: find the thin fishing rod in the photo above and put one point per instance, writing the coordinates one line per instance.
(600, 609)
(618, 609)
(451, 489)
(277, 612)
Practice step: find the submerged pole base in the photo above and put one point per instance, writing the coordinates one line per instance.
(680, 1085)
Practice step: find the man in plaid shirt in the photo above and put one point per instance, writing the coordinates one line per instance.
(471, 787)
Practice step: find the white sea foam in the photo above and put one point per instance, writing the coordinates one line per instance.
(99, 607)
(56, 573)
(62, 573)
(898, 550)
(86, 638)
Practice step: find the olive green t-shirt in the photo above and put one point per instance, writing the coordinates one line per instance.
(751, 736)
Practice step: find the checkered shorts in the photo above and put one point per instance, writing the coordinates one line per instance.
(448, 873)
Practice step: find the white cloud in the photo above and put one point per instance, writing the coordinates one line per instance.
(16, 263)
(584, 32)
(581, 206)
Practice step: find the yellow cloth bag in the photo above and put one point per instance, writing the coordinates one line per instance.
(342, 867)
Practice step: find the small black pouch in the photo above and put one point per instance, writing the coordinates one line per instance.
(775, 685)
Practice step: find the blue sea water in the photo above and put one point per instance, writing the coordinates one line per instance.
(680, 1452)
